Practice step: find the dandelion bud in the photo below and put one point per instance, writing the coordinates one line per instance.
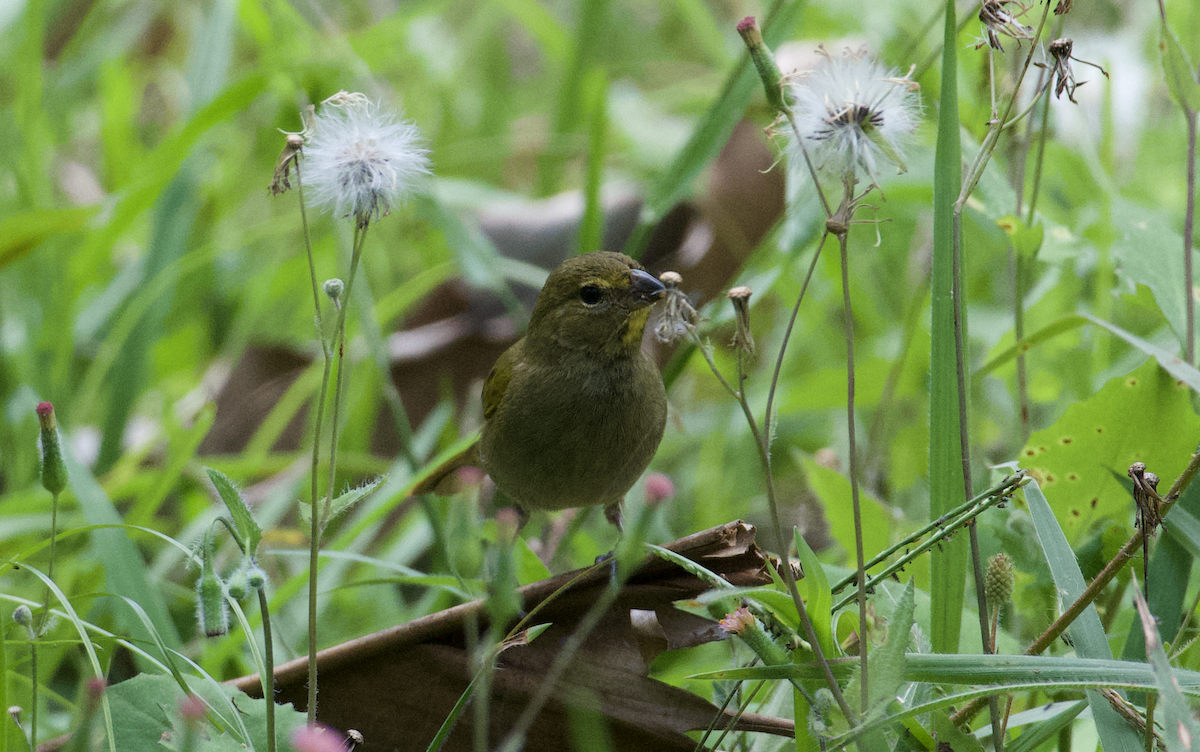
(54, 471)
(334, 288)
(316, 738)
(743, 340)
(256, 576)
(742, 623)
(659, 488)
(211, 609)
(23, 615)
(999, 579)
(238, 584)
(764, 61)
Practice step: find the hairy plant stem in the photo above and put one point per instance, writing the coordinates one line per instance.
(314, 489)
(785, 570)
(33, 693)
(268, 677)
(952, 522)
(946, 524)
(787, 337)
(845, 214)
(339, 354)
(1085, 599)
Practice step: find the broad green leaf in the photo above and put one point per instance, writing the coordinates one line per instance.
(1146, 416)
(820, 599)
(1087, 633)
(1180, 730)
(887, 662)
(145, 705)
(1181, 76)
(833, 489)
(948, 565)
(1148, 251)
(248, 530)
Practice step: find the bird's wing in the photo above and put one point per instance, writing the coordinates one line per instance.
(498, 379)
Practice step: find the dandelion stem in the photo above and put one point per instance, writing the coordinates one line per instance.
(787, 336)
(785, 570)
(845, 212)
(268, 677)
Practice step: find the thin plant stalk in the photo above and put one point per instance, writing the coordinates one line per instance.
(785, 571)
(268, 677)
(338, 353)
(848, 317)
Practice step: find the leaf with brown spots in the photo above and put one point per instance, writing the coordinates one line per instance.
(1144, 415)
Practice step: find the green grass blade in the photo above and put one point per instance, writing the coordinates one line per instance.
(1170, 363)
(1180, 728)
(1050, 331)
(124, 567)
(1086, 632)
(948, 565)
(88, 647)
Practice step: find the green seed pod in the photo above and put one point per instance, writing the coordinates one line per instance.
(211, 609)
(999, 579)
(256, 576)
(54, 471)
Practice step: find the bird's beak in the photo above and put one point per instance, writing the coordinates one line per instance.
(644, 287)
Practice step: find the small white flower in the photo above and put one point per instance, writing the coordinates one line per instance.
(359, 161)
(852, 112)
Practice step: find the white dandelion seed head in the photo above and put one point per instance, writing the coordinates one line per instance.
(854, 113)
(358, 161)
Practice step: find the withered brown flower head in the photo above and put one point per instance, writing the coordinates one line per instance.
(998, 22)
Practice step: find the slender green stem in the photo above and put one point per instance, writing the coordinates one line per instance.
(860, 555)
(338, 353)
(787, 336)
(785, 569)
(989, 141)
(268, 676)
(33, 692)
(314, 489)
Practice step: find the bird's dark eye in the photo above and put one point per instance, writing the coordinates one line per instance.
(590, 295)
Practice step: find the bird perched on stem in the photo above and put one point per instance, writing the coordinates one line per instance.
(575, 410)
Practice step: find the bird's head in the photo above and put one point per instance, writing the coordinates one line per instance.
(596, 303)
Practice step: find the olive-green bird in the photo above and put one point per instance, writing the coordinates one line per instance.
(575, 410)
